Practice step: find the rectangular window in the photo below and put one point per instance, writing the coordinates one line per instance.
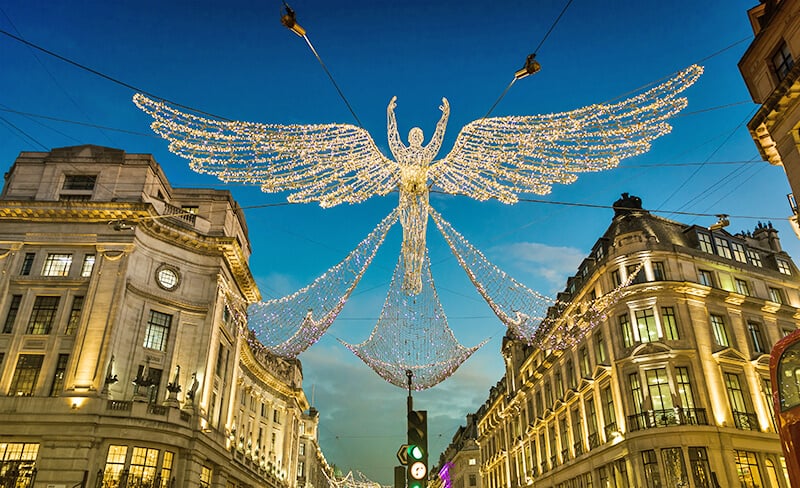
(684, 385)
(636, 392)
(608, 411)
(658, 389)
(735, 393)
(142, 470)
(775, 295)
(57, 265)
(302, 449)
(26, 374)
(783, 267)
(570, 372)
(766, 392)
(640, 276)
(747, 469)
(701, 470)
(741, 287)
(705, 243)
(157, 332)
(88, 265)
(591, 418)
(720, 333)
(276, 416)
(559, 385)
(782, 61)
(58, 378)
(615, 279)
(166, 469)
(652, 476)
(548, 394)
(11, 316)
(563, 439)
(577, 432)
(757, 338)
(739, 253)
(115, 465)
(27, 264)
(626, 333)
(42, 315)
(600, 348)
(705, 278)
(74, 315)
(205, 477)
(646, 323)
(669, 323)
(755, 258)
(674, 467)
(723, 249)
(585, 364)
(473, 480)
(79, 182)
(658, 271)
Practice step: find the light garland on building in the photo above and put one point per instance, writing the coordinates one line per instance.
(412, 335)
(288, 326)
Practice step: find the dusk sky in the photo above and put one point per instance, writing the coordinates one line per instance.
(236, 60)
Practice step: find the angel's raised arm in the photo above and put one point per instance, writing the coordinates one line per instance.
(395, 143)
(438, 136)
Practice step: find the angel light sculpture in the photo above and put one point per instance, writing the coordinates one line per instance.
(497, 157)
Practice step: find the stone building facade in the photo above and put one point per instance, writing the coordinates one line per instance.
(670, 386)
(125, 357)
(459, 464)
(770, 70)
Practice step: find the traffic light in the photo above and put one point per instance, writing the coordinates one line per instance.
(417, 450)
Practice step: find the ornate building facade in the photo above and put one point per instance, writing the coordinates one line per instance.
(772, 75)
(670, 386)
(459, 464)
(125, 358)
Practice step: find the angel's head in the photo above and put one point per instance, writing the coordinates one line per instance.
(415, 137)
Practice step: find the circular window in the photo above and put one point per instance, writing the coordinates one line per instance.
(167, 277)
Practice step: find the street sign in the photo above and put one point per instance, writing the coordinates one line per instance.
(402, 454)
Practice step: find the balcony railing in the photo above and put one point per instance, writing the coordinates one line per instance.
(578, 448)
(610, 430)
(564, 455)
(179, 213)
(594, 440)
(746, 421)
(653, 419)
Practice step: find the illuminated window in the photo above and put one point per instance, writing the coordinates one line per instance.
(591, 422)
(615, 279)
(143, 467)
(11, 316)
(600, 348)
(157, 331)
(701, 470)
(548, 394)
(684, 386)
(747, 469)
(723, 248)
(741, 287)
(782, 61)
(559, 385)
(626, 333)
(720, 333)
(776, 295)
(608, 410)
(669, 323)
(739, 253)
(705, 277)
(300, 469)
(646, 324)
(783, 267)
(658, 389)
(757, 338)
(766, 392)
(674, 467)
(74, 315)
(57, 265)
(652, 476)
(27, 264)
(302, 449)
(585, 364)
(166, 469)
(42, 315)
(735, 395)
(755, 258)
(705, 242)
(640, 276)
(570, 372)
(636, 392)
(26, 374)
(88, 265)
(58, 377)
(21, 458)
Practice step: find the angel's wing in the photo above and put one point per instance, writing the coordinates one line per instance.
(325, 163)
(501, 157)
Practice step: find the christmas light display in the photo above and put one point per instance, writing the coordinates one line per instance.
(496, 157)
(412, 335)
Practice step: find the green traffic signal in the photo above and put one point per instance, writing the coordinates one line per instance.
(415, 452)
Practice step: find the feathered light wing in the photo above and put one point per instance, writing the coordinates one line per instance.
(501, 157)
(325, 163)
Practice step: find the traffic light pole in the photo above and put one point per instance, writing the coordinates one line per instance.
(410, 400)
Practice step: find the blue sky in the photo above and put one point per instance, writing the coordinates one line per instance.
(235, 59)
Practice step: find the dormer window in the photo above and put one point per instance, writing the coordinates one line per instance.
(782, 61)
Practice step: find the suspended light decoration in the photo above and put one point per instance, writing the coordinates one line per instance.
(412, 335)
(497, 157)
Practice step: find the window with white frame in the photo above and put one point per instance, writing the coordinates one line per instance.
(719, 330)
(157, 333)
(57, 264)
(646, 324)
(705, 277)
(755, 258)
(757, 339)
(723, 248)
(742, 287)
(739, 253)
(669, 323)
(88, 265)
(783, 267)
(705, 242)
(775, 295)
